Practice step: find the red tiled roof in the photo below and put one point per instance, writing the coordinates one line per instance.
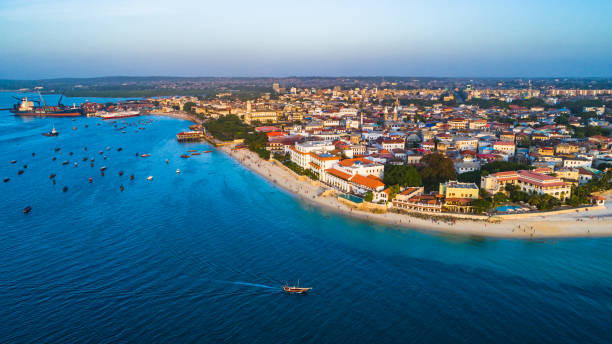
(351, 162)
(338, 174)
(366, 181)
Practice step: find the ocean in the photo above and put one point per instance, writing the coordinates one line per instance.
(201, 256)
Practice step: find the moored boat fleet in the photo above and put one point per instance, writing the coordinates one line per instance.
(107, 111)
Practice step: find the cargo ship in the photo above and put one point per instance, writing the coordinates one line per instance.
(117, 115)
(26, 107)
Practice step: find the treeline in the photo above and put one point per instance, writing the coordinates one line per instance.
(433, 170)
(230, 127)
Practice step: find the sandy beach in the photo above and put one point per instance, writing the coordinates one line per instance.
(595, 223)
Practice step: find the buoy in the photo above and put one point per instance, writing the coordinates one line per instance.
(75, 164)
(65, 189)
(90, 179)
(86, 126)
(120, 173)
(100, 152)
(70, 153)
(33, 154)
(53, 181)
(137, 154)
(102, 173)
(53, 158)
(119, 149)
(84, 148)
(57, 149)
(166, 161)
(105, 157)
(27, 209)
(91, 164)
(121, 188)
(25, 166)
(74, 128)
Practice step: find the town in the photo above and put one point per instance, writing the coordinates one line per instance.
(493, 150)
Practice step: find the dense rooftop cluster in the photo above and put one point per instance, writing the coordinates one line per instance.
(349, 138)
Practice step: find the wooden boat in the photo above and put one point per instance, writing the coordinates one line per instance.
(295, 289)
(195, 153)
(192, 150)
(185, 156)
(145, 155)
(207, 151)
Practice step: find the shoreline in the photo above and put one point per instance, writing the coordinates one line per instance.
(597, 223)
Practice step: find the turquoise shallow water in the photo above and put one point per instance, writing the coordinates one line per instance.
(201, 256)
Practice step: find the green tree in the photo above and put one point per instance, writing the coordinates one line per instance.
(500, 198)
(189, 107)
(436, 169)
(393, 191)
(481, 205)
(369, 196)
(403, 175)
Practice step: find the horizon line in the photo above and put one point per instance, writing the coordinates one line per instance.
(311, 77)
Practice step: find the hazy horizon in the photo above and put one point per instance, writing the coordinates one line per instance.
(46, 39)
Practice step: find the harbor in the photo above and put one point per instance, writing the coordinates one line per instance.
(216, 238)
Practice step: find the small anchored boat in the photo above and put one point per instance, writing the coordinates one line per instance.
(150, 178)
(178, 171)
(53, 132)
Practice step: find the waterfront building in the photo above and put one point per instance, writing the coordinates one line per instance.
(527, 181)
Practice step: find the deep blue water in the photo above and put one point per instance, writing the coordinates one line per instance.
(201, 256)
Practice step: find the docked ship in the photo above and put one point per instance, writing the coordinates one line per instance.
(26, 107)
(190, 136)
(118, 114)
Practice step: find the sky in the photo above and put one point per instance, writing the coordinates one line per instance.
(460, 38)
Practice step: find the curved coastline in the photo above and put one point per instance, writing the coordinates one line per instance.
(596, 223)
(593, 224)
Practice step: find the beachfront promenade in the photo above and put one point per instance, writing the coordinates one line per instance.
(595, 222)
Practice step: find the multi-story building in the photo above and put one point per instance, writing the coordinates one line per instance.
(466, 143)
(527, 181)
(301, 151)
(505, 147)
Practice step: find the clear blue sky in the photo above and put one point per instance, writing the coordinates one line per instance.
(79, 38)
